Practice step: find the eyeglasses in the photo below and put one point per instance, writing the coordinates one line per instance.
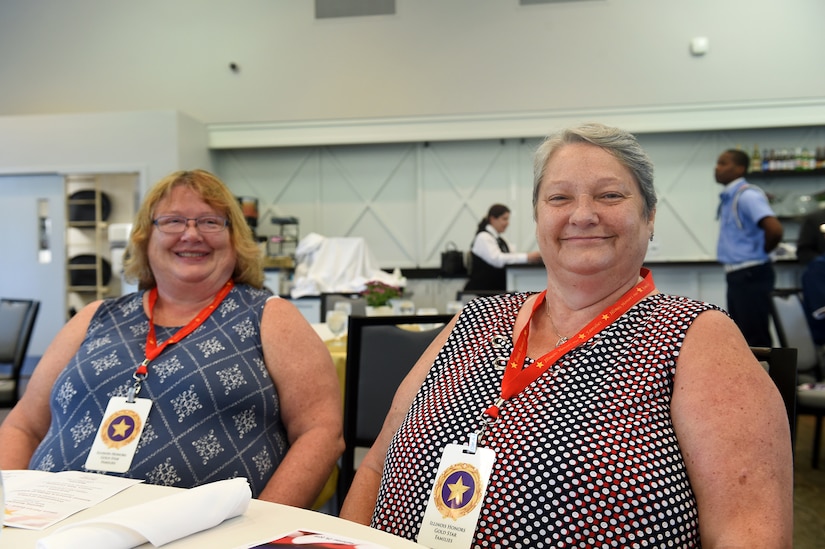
(176, 224)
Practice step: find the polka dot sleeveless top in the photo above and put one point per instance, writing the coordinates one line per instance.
(586, 456)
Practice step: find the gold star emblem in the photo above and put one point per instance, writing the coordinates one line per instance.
(540, 364)
(513, 365)
(457, 490)
(605, 317)
(120, 428)
(457, 499)
(122, 432)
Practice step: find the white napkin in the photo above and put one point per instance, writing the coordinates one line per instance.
(158, 521)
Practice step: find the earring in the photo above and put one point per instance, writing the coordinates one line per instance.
(651, 237)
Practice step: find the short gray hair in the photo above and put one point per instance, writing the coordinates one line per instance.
(620, 143)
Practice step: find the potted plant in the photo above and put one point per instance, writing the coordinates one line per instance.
(378, 295)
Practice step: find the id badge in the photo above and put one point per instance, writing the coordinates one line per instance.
(117, 437)
(456, 498)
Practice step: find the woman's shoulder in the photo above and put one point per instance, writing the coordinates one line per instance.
(683, 303)
(124, 304)
(244, 300)
(503, 306)
(516, 298)
(251, 292)
(684, 312)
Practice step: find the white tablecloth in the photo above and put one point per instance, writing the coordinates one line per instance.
(262, 520)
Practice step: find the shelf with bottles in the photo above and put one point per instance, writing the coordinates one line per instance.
(800, 161)
(786, 173)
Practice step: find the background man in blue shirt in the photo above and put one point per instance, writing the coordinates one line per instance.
(748, 232)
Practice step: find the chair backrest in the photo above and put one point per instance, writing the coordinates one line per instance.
(17, 318)
(792, 328)
(357, 302)
(379, 356)
(781, 366)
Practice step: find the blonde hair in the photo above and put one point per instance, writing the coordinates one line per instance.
(248, 264)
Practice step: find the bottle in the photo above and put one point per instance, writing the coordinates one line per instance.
(806, 159)
(766, 161)
(756, 160)
(785, 160)
(772, 161)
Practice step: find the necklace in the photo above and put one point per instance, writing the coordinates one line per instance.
(562, 339)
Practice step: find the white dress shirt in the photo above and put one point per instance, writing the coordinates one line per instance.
(485, 246)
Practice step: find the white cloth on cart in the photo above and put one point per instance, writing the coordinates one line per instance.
(337, 264)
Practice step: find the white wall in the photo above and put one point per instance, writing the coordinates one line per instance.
(22, 275)
(483, 68)
(150, 143)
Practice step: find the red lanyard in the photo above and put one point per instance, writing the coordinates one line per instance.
(516, 378)
(152, 347)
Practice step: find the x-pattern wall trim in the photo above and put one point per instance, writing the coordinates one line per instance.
(439, 192)
(464, 198)
(371, 203)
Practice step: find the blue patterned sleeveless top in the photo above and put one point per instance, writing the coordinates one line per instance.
(586, 456)
(215, 411)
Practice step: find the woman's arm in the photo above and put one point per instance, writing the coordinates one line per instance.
(734, 434)
(773, 232)
(27, 423)
(310, 403)
(359, 504)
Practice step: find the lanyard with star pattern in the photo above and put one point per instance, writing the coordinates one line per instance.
(517, 378)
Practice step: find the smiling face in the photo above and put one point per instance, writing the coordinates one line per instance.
(590, 214)
(190, 257)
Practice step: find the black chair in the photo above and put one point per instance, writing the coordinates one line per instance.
(811, 402)
(379, 356)
(793, 331)
(781, 366)
(17, 318)
(358, 303)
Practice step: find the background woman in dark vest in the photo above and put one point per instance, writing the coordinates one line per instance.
(491, 252)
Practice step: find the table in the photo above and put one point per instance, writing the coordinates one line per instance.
(338, 352)
(262, 520)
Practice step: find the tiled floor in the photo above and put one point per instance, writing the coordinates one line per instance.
(809, 489)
